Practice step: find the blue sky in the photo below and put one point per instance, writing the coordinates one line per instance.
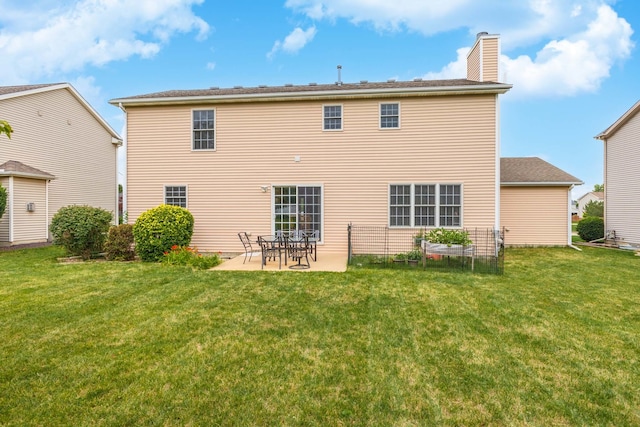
(574, 64)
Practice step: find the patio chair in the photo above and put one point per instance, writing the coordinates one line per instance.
(299, 249)
(313, 236)
(248, 248)
(272, 249)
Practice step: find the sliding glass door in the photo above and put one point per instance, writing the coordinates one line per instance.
(297, 207)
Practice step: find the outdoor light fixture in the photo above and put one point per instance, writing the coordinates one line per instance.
(264, 188)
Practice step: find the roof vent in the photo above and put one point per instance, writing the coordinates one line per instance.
(214, 88)
(339, 82)
(237, 87)
(480, 34)
(313, 84)
(288, 84)
(391, 81)
(364, 82)
(417, 79)
(262, 86)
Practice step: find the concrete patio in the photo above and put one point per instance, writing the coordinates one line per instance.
(336, 262)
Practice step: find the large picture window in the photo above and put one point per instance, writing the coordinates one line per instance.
(425, 205)
(204, 132)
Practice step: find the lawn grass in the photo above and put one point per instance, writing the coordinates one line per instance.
(553, 341)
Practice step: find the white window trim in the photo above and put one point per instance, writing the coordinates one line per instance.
(380, 115)
(215, 130)
(412, 219)
(341, 117)
(186, 193)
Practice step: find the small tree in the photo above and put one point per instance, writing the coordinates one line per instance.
(119, 244)
(5, 128)
(81, 230)
(598, 188)
(594, 208)
(158, 229)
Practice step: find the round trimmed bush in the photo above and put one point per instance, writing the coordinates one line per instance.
(590, 228)
(160, 228)
(119, 244)
(81, 230)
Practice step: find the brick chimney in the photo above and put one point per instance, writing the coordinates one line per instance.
(483, 60)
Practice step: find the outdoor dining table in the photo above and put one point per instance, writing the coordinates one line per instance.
(292, 246)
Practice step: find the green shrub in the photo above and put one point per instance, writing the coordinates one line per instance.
(160, 228)
(119, 244)
(184, 255)
(448, 237)
(3, 200)
(81, 230)
(590, 228)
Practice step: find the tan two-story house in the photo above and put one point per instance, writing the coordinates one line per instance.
(406, 154)
(62, 152)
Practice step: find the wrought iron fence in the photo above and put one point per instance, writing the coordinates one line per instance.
(384, 247)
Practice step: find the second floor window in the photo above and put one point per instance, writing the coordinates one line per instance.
(204, 132)
(332, 117)
(390, 116)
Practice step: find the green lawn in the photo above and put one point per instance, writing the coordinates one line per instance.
(554, 341)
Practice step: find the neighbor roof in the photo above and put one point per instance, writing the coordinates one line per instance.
(533, 171)
(316, 91)
(7, 92)
(618, 124)
(15, 168)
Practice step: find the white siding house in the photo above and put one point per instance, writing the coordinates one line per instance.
(61, 153)
(622, 177)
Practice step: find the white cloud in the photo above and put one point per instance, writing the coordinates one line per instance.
(581, 39)
(294, 41)
(211, 66)
(50, 37)
(564, 67)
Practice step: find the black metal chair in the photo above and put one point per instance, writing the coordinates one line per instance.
(248, 248)
(314, 237)
(299, 249)
(271, 249)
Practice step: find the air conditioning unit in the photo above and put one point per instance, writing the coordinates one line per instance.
(31, 207)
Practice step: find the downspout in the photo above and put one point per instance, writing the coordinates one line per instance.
(124, 145)
(11, 207)
(569, 232)
(46, 209)
(497, 165)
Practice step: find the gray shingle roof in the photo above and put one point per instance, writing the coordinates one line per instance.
(533, 171)
(13, 167)
(5, 90)
(312, 89)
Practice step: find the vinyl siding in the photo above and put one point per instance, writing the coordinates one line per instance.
(53, 132)
(622, 182)
(29, 226)
(473, 63)
(445, 139)
(490, 59)
(535, 216)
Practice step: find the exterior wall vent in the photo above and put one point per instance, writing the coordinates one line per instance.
(31, 207)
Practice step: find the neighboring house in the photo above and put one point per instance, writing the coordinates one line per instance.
(622, 177)
(535, 202)
(61, 153)
(585, 199)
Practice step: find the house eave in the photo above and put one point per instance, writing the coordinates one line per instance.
(604, 135)
(26, 175)
(497, 88)
(540, 184)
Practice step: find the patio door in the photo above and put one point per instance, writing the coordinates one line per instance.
(297, 207)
